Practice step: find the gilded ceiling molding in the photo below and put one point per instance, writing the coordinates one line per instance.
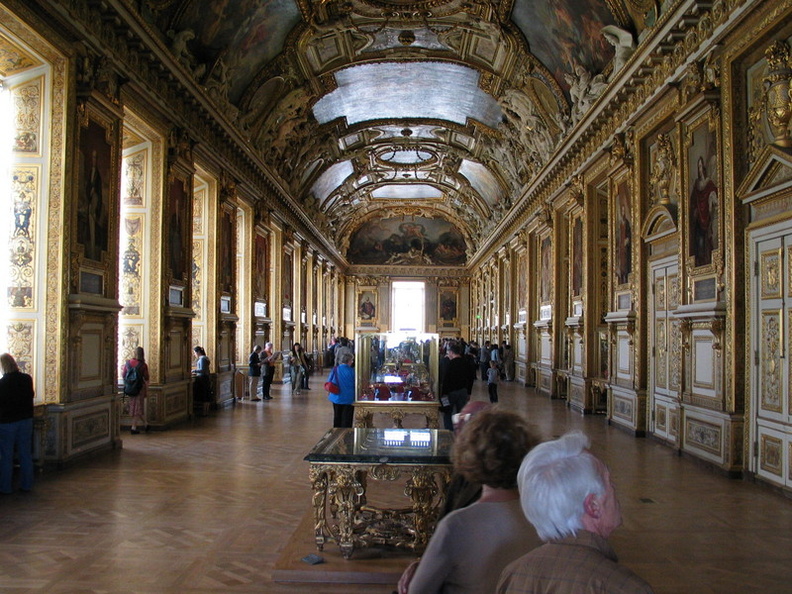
(102, 26)
(690, 30)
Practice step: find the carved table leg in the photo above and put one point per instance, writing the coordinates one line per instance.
(422, 489)
(318, 478)
(346, 492)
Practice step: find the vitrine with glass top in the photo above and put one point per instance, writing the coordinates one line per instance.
(396, 374)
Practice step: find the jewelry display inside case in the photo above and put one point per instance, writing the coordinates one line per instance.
(396, 374)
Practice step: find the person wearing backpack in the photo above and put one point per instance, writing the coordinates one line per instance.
(136, 379)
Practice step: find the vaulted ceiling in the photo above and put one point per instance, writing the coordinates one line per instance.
(405, 129)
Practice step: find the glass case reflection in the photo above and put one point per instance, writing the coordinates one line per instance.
(396, 367)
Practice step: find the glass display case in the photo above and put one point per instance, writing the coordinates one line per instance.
(396, 374)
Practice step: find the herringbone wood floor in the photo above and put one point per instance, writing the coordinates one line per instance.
(210, 506)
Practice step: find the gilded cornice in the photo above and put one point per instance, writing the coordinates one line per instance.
(408, 271)
(116, 30)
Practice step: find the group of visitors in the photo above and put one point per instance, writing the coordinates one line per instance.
(528, 493)
(261, 366)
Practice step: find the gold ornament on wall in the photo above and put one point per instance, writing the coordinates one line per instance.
(777, 84)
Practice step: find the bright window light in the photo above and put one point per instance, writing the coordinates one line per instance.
(408, 299)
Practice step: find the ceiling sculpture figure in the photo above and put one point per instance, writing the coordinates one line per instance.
(376, 114)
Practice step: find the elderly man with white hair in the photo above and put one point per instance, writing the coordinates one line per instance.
(567, 495)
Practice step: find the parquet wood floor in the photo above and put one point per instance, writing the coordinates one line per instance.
(210, 507)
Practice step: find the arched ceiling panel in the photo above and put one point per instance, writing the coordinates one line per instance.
(398, 90)
(483, 181)
(331, 179)
(407, 192)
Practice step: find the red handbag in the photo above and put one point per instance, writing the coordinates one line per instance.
(331, 384)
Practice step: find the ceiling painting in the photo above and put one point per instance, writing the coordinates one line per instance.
(565, 34)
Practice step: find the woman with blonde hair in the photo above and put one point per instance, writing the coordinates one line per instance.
(16, 425)
(136, 380)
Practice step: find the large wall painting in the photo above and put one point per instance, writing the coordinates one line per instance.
(93, 202)
(177, 248)
(418, 241)
(261, 280)
(623, 251)
(577, 257)
(703, 184)
(546, 271)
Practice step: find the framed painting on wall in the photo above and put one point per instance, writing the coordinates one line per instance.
(288, 277)
(366, 306)
(262, 268)
(546, 270)
(623, 232)
(703, 191)
(447, 307)
(577, 257)
(96, 186)
(178, 205)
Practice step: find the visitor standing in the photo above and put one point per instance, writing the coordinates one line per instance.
(202, 387)
(297, 367)
(492, 382)
(268, 359)
(136, 380)
(16, 425)
(343, 402)
(254, 372)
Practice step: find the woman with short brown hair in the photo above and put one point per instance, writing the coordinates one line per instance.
(472, 545)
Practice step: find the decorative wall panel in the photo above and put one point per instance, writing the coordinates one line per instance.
(705, 436)
(661, 354)
(771, 455)
(624, 409)
(20, 340)
(197, 278)
(675, 367)
(89, 428)
(26, 190)
(770, 274)
(133, 268)
(133, 188)
(770, 365)
(131, 338)
(703, 365)
(28, 109)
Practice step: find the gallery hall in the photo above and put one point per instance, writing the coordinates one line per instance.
(227, 197)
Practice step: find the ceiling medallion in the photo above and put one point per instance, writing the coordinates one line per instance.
(406, 37)
(405, 156)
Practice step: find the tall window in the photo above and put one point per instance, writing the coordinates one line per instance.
(408, 301)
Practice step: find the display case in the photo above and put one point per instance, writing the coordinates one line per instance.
(396, 375)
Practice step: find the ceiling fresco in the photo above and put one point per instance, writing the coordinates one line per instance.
(378, 113)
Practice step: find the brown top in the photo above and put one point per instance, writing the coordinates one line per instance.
(578, 564)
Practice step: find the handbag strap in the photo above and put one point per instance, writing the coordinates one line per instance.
(334, 375)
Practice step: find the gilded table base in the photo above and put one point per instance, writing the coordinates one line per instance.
(365, 411)
(342, 513)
